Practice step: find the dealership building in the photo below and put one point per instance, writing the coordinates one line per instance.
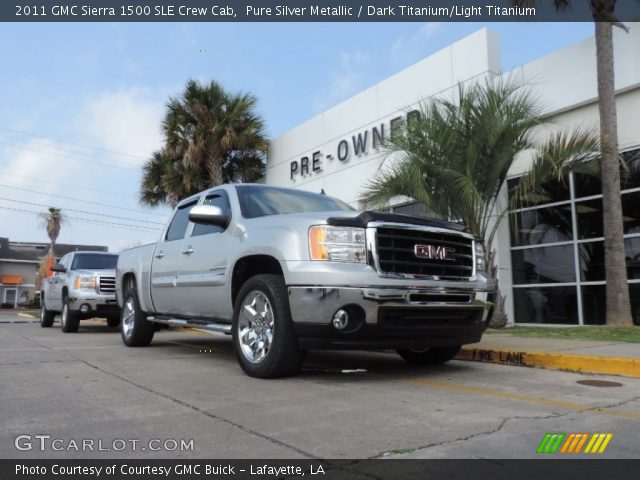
(551, 253)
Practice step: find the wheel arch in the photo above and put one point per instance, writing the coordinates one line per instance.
(249, 266)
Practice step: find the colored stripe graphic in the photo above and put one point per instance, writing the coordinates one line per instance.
(551, 442)
(572, 443)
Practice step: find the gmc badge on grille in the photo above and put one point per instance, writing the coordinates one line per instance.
(434, 252)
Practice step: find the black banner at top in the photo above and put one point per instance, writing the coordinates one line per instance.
(304, 11)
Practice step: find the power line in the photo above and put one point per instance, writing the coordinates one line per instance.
(71, 143)
(80, 200)
(83, 212)
(88, 220)
(103, 164)
(68, 185)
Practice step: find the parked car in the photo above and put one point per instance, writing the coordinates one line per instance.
(82, 286)
(285, 270)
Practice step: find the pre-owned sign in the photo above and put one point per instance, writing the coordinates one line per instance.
(359, 144)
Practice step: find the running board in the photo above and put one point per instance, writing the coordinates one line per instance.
(179, 322)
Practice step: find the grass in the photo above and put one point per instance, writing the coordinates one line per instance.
(597, 333)
(32, 313)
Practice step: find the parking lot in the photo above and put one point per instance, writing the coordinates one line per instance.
(188, 386)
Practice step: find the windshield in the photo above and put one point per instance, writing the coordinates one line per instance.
(261, 201)
(94, 262)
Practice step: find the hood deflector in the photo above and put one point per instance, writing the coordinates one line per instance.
(364, 218)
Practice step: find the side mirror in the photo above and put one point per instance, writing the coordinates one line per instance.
(208, 215)
(58, 267)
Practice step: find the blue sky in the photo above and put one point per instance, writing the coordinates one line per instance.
(102, 88)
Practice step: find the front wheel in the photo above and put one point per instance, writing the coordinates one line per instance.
(69, 319)
(429, 356)
(136, 330)
(46, 316)
(263, 336)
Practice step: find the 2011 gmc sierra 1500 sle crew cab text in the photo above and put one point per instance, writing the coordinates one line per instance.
(285, 270)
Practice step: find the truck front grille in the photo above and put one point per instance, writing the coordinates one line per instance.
(107, 285)
(397, 253)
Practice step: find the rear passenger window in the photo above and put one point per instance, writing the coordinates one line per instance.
(178, 226)
(219, 200)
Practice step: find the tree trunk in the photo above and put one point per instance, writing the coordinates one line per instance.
(618, 305)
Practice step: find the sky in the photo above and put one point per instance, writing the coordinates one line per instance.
(82, 103)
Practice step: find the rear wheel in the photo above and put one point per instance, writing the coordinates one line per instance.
(429, 356)
(69, 319)
(46, 316)
(136, 330)
(263, 336)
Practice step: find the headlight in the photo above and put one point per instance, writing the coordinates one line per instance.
(85, 281)
(480, 265)
(337, 244)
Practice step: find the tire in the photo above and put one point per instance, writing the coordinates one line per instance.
(135, 329)
(429, 356)
(46, 316)
(264, 341)
(113, 321)
(69, 319)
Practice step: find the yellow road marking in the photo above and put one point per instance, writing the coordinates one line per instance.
(522, 398)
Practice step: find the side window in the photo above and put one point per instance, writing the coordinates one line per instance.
(64, 261)
(178, 226)
(219, 200)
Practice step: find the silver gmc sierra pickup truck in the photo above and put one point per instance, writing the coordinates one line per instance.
(82, 286)
(285, 270)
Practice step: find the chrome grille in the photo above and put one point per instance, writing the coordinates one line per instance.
(397, 247)
(107, 285)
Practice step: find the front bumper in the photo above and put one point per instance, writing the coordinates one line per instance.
(91, 304)
(390, 317)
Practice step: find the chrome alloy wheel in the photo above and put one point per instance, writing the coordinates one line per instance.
(255, 326)
(128, 317)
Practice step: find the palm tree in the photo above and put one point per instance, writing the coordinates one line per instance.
(454, 158)
(211, 137)
(618, 301)
(52, 222)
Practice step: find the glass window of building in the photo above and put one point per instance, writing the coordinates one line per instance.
(557, 249)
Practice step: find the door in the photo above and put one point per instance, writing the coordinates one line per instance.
(53, 294)
(10, 296)
(165, 262)
(204, 266)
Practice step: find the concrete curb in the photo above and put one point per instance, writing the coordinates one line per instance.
(628, 367)
(24, 315)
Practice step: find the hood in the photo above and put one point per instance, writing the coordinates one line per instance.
(362, 219)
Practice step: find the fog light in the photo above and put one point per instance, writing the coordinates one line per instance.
(340, 319)
(85, 308)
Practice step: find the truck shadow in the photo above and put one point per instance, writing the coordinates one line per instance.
(319, 363)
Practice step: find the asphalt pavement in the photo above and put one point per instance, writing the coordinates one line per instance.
(63, 393)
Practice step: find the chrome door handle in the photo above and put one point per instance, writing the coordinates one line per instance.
(160, 255)
(188, 251)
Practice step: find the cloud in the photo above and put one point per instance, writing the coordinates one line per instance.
(408, 49)
(345, 81)
(126, 121)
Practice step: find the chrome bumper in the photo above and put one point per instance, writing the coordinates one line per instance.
(97, 301)
(317, 305)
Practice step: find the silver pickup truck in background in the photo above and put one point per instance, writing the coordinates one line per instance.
(285, 270)
(82, 286)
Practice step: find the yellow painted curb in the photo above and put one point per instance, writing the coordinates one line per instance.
(627, 367)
